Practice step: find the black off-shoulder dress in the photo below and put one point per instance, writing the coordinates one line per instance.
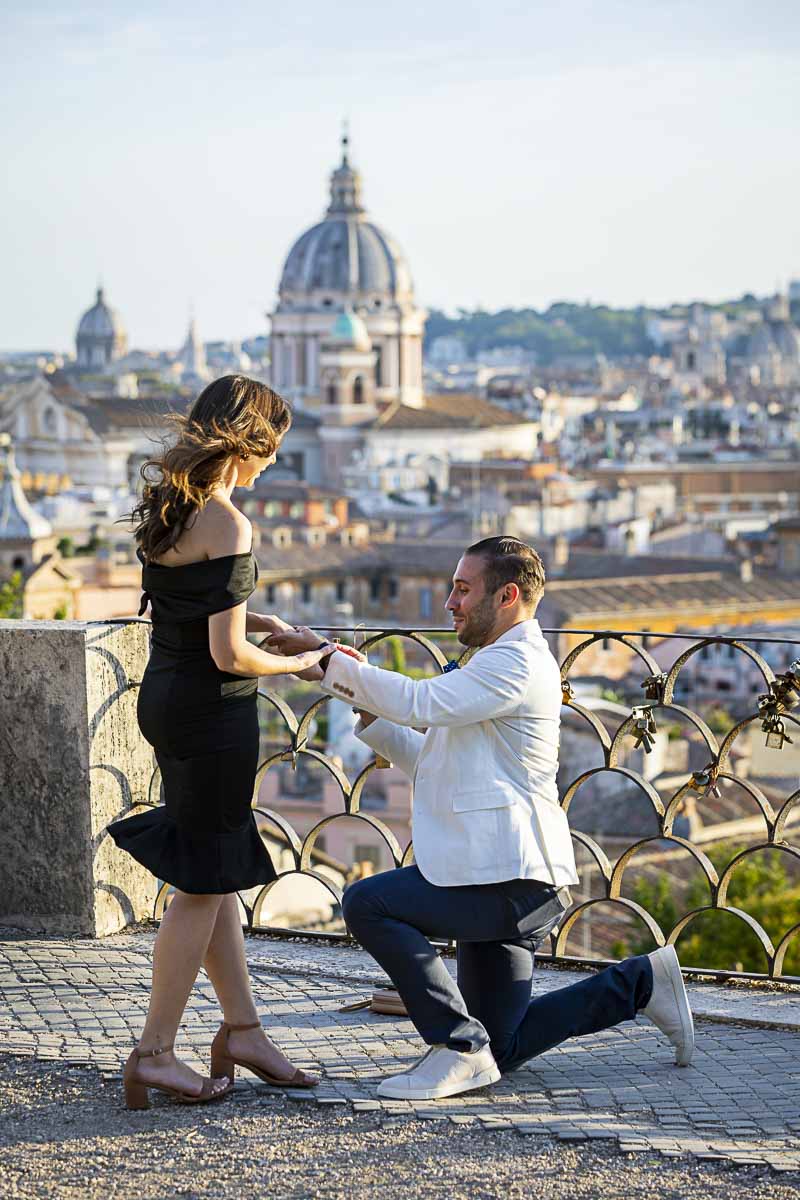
(203, 725)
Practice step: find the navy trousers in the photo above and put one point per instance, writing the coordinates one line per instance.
(497, 928)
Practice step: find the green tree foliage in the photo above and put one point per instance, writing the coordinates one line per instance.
(395, 655)
(719, 720)
(564, 329)
(66, 547)
(760, 885)
(11, 597)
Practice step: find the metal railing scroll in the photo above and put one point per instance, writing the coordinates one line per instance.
(772, 714)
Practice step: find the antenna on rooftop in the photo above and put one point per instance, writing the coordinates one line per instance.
(345, 142)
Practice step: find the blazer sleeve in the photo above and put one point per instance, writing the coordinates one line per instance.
(493, 683)
(401, 746)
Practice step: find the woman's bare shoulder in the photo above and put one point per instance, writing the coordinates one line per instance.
(223, 529)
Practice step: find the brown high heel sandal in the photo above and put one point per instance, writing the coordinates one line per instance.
(223, 1063)
(136, 1090)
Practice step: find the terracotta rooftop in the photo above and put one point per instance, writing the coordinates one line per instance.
(448, 411)
(668, 594)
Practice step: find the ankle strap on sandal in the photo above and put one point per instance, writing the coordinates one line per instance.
(154, 1053)
(241, 1028)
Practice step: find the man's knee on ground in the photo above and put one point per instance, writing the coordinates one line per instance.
(503, 1052)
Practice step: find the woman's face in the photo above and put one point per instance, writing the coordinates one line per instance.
(249, 469)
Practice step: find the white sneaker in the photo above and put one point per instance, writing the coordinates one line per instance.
(668, 1007)
(443, 1072)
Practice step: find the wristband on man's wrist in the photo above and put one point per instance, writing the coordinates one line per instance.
(323, 662)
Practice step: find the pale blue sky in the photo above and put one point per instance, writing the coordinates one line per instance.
(625, 151)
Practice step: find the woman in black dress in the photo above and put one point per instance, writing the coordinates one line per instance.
(198, 708)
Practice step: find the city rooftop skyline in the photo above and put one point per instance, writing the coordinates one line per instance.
(624, 154)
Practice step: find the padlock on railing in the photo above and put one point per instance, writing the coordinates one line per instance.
(655, 687)
(644, 727)
(705, 782)
(776, 733)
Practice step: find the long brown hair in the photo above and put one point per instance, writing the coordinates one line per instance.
(232, 416)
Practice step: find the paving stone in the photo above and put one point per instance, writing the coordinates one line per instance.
(80, 1002)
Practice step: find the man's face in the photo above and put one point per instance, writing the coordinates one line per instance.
(474, 612)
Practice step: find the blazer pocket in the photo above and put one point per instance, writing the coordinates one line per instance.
(477, 799)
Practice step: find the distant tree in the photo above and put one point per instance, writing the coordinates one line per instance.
(395, 655)
(66, 547)
(657, 898)
(94, 544)
(61, 613)
(564, 329)
(760, 886)
(11, 597)
(719, 720)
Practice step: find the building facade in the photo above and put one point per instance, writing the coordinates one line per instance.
(347, 263)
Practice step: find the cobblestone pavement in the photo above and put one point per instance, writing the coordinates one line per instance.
(82, 1002)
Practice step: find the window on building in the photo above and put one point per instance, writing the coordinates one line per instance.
(426, 603)
(394, 588)
(330, 393)
(366, 854)
(358, 390)
(341, 591)
(373, 799)
(378, 366)
(305, 593)
(270, 593)
(297, 510)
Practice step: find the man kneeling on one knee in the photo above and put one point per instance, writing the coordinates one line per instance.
(493, 849)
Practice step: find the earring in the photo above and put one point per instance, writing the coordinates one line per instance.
(244, 457)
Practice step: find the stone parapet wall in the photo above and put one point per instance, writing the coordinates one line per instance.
(71, 761)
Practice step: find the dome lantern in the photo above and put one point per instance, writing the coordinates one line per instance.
(346, 264)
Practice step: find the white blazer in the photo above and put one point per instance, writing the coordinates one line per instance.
(485, 798)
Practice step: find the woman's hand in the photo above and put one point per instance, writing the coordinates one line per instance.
(300, 638)
(306, 660)
(293, 639)
(266, 623)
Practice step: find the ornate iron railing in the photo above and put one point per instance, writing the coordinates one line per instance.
(770, 713)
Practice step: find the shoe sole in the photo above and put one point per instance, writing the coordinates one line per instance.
(669, 959)
(467, 1085)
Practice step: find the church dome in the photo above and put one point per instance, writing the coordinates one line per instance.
(101, 320)
(346, 255)
(101, 336)
(350, 330)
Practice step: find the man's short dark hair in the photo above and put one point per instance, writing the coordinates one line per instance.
(508, 560)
